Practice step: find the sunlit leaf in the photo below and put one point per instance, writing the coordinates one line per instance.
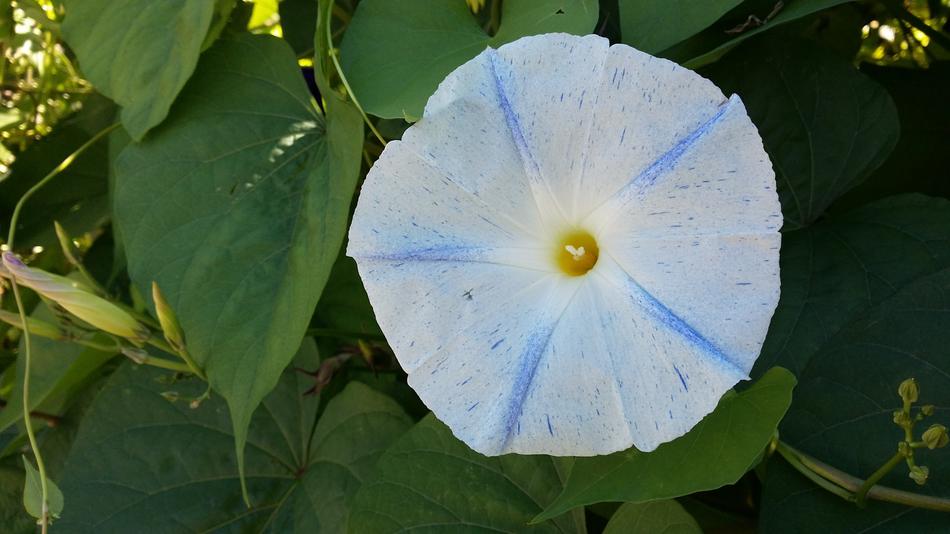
(154, 45)
(236, 206)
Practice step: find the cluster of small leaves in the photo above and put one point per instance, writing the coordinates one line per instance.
(230, 184)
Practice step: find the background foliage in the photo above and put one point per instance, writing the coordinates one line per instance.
(230, 178)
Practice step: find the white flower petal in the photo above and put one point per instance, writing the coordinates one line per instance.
(459, 226)
(432, 302)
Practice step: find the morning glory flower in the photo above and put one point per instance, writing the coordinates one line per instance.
(575, 250)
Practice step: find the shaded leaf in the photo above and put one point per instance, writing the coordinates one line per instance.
(395, 52)
(719, 40)
(236, 206)
(842, 414)
(838, 268)
(655, 26)
(297, 21)
(134, 38)
(429, 479)
(716, 452)
(825, 125)
(657, 517)
(164, 463)
(58, 369)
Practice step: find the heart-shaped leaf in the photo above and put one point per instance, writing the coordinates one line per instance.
(825, 125)
(142, 462)
(655, 26)
(657, 517)
(237, 206)
(430, 479)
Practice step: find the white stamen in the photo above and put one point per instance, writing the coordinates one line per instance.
(577, 253)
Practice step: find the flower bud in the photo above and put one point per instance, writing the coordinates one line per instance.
(908, 390)
(38, 327)
(167, 318)
(901, 418)
(927, 410)
(137, 355)
(77, 300)
(936, 437)
(919, 474)
(65, 243)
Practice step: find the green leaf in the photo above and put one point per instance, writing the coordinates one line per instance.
(653, 26)
(789, 11)
(33, 493)
(395, 52)
(141, 463)
(429, 479)
(825, 125)
(716, 452)
(58, 370)
(657, 517)
(843, 408)
(838, 268)
(140, 53)
(344, 304)
(236, 206)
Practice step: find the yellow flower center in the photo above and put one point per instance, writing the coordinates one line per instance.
(576, 252)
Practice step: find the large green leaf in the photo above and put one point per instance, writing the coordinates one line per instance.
(655, 26)
(657, 517)
(716, 452)
(395, 52)
(825, 125)
(237, 206)
(843, 408)
(838, 268)
(430, 480)
(58, 369)
(140, 53)
(142, 463)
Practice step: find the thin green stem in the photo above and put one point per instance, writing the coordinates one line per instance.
(811, 474)
(860, 497)
(332, 52)
(34, 446)
(853, 484)
(190, 365)
(162, 363)
(52, 174)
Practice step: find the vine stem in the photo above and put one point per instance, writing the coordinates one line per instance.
(861, 496)
(846, 486)
(27, 346)
(332, 52)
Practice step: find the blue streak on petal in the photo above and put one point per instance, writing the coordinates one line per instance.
(668, 161)
(682, 380)
(511, 118)
(670, 320)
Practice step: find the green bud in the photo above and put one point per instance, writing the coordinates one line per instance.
(40, 328)
(904, 448)
(167, 318)
(927, 410)
(77, 300)
(901, 418)
(919, 474)
(908, 390)
(936, 437)
(137, 355)
(65, 243)
(170, 396)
